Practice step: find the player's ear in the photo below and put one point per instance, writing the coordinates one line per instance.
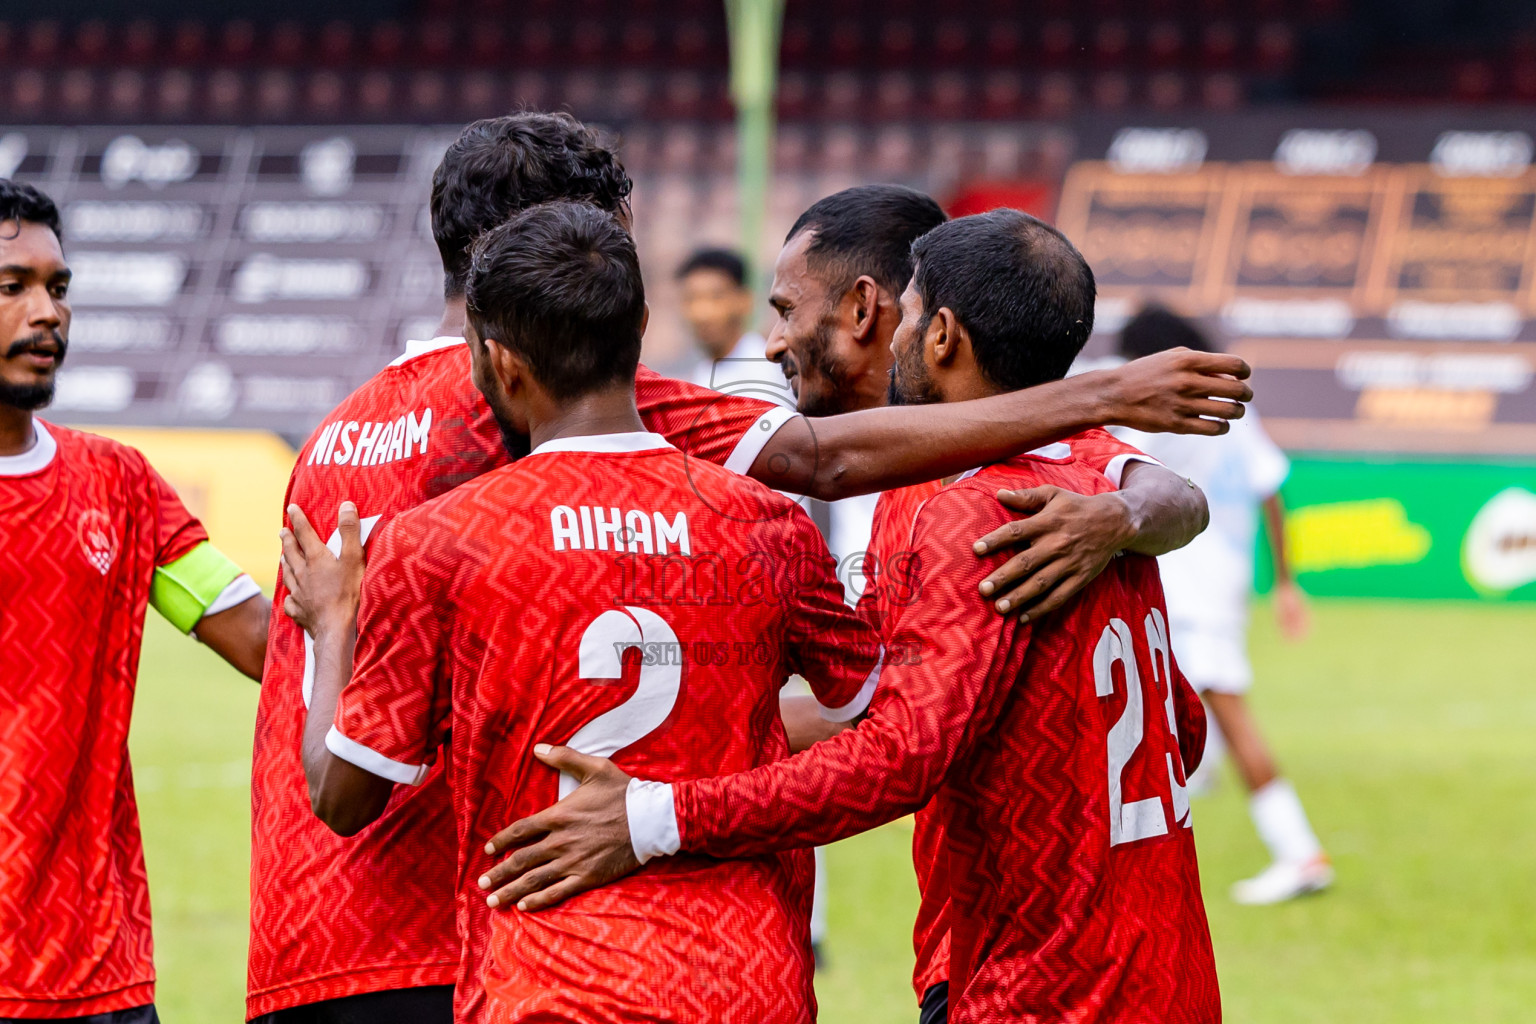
(944, 336)
(865, 298)
(645, 318)
(506, 365)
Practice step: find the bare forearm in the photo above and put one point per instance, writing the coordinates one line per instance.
(1274, 525)
(239, 634)
(836, 457)
(333, 667)
(1167, 511)
(344, 796)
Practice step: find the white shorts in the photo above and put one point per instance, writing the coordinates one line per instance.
(1212, 655)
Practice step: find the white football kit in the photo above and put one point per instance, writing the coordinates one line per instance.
(1207, 582)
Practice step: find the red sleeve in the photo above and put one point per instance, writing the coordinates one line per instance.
(961, 662)
(832, 646)
(1107, 453)
(393, 713)
(177, 531)
(728, 430)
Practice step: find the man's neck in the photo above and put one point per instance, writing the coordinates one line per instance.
(609, 411)
(17, 435)
(455, 315)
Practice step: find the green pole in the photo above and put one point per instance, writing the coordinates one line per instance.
(754, 27)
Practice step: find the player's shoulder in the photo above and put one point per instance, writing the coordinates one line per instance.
(74, 446)
(737, 495)
(442, 365)
(1064, 464)
(498, 493)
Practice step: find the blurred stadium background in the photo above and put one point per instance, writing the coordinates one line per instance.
(1341, 189)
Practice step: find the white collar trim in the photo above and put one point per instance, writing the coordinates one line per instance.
(605, 444)
(33, 459)
(414, 348)
(1055, 450)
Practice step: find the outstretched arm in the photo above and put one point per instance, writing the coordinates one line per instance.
(832, 457)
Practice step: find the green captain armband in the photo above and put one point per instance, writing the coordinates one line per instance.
(187, 589)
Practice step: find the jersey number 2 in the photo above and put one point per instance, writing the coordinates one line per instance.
(1130, 820)
(602, 657)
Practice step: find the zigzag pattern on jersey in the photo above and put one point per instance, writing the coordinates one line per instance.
(728, 969)
(1049, 922)
(498, 641)
(74, 901)
(333, 917)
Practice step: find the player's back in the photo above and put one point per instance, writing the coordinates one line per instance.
(414, 431)
(607, 593)
(1074, 888)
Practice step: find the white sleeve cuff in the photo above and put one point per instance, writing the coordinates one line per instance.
(240, 590)
(1116, 468)
(372, 761)
(652, 820)
(756, 438)
(854, 708)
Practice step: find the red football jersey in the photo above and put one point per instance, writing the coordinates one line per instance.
(86, 521)
(1056, 751)
(333, 916)
(890, 538)
(523, 595)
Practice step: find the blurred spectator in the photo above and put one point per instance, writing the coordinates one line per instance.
(1207, 584)
(717, 306)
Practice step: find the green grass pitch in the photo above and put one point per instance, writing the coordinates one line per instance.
(1407, 728)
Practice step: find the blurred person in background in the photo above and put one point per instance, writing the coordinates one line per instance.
(1207, 585)
(717, 305)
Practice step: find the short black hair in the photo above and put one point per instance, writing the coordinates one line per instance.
(500, 165)
(868, 229)
(1157, 328)
(560, 284)
(21, 202)
(722, 260)
(1021, 290)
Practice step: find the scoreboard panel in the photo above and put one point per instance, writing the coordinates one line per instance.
(1385, 306)
(235, 277)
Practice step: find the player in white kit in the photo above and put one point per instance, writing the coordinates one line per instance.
(1207, 584)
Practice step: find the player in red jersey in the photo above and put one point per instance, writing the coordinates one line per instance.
(837, 284)
(366, 924)
(528, 588)
(1057, 748)
(91, 536)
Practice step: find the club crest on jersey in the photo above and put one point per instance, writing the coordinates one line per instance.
(98, 539)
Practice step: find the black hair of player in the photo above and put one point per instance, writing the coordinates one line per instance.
(1157, 329)
(560, 285)
(500, 165)
(1021, 290)
(867, 229)
(22, 203)
(721, 260)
